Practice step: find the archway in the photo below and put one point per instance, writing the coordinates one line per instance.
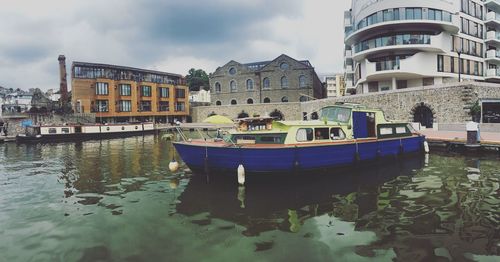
(243, 114)
(277, 114)
(423, 114)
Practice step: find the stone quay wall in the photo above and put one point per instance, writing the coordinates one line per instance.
(449, 103)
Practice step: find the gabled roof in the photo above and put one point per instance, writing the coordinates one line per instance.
(304, 62)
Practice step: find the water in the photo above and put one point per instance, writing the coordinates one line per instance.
(116, 201)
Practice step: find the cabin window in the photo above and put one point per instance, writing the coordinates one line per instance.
(321, 133)
(337, 134)
(400, 130)
(52, 131)
(386, 131)
(65, 130)
(337, 114)
(304, 134)
(270, 139)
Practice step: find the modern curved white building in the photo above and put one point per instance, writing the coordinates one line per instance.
(395, 44)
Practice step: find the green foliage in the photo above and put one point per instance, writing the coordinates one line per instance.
(196, 79)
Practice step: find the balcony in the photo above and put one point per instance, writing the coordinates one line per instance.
(492, 19)
(493, 5)
(451, 26)
(348, 53)
(407, 42)
(492, 56)
(492, 74)
(492, 37)
(348, 69)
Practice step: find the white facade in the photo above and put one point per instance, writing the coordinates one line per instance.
(334, 85)
(394, 44)
(200, 96)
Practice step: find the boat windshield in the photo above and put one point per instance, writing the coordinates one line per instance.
(337, 114)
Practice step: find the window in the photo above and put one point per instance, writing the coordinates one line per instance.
(303, 99)
(65, 130)
(266, 83)
(337, 134)
(428, 81)
(102, 106)
(101, 88)
(413, 13)
(302, 81)
(125, 90)
(232, 86)
(232, 71)
(180, 93)
(284, 66)
(321, 134)
(52, 130)
(385, 131)
(249, 84)
(284, 99)
(145, 90)
(401, 84)
(180, 106)
(304, 134)
(163, 106)
(218, 103)
(267, 100)
(249, 101)
(217, 88)
(233, 102)
(400, 130)
(125, 106)
(440, 66)
(163, 92)
(145, 106)
(284, 82)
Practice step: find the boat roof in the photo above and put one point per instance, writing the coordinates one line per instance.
(317, 123)
(258, 118)
(352, 106)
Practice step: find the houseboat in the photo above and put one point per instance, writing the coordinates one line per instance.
(68, 132)
(344, 134)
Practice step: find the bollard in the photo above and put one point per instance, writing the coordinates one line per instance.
(241, 175)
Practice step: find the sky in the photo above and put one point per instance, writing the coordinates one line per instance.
(164, 35)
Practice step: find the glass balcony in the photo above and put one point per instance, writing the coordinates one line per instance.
(400, 39)
(388, 65)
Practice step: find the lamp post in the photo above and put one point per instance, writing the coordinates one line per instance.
(459, 52)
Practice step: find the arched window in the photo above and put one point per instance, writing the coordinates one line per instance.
(218, 103)
(302, 81)
(266, 83)
(267, 100)
(249, 101)
(233, 102)
(217, 87)
(303, 99)
(232, 71)
(249, 84)
(284, 99)
(284, 66)
(232, 86)
(284, 82)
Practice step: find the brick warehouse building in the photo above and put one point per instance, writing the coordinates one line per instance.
(283, 79)
(126, 94)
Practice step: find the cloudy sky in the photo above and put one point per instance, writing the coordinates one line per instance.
(165, 35)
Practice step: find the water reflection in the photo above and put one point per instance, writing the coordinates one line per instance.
(116, 200)
(420, 208)
(272, 202)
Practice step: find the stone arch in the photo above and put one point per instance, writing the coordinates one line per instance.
(424, 114)
(243, 114)
(277, 114)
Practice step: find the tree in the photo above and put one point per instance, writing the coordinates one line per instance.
(196, 79)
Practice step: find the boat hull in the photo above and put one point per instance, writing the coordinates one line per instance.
(293, 158)
(78, 137)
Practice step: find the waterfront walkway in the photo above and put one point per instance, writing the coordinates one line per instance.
(486, 138)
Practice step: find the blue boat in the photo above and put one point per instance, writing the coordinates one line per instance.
(345, 134)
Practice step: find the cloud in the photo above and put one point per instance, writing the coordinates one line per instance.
(171, 36)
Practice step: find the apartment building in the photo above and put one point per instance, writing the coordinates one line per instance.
(395, 44)
(125, 94)
(335, 85)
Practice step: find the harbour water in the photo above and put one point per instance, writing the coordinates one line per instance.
(115, 200)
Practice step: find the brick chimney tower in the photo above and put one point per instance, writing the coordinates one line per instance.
(63, 89)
